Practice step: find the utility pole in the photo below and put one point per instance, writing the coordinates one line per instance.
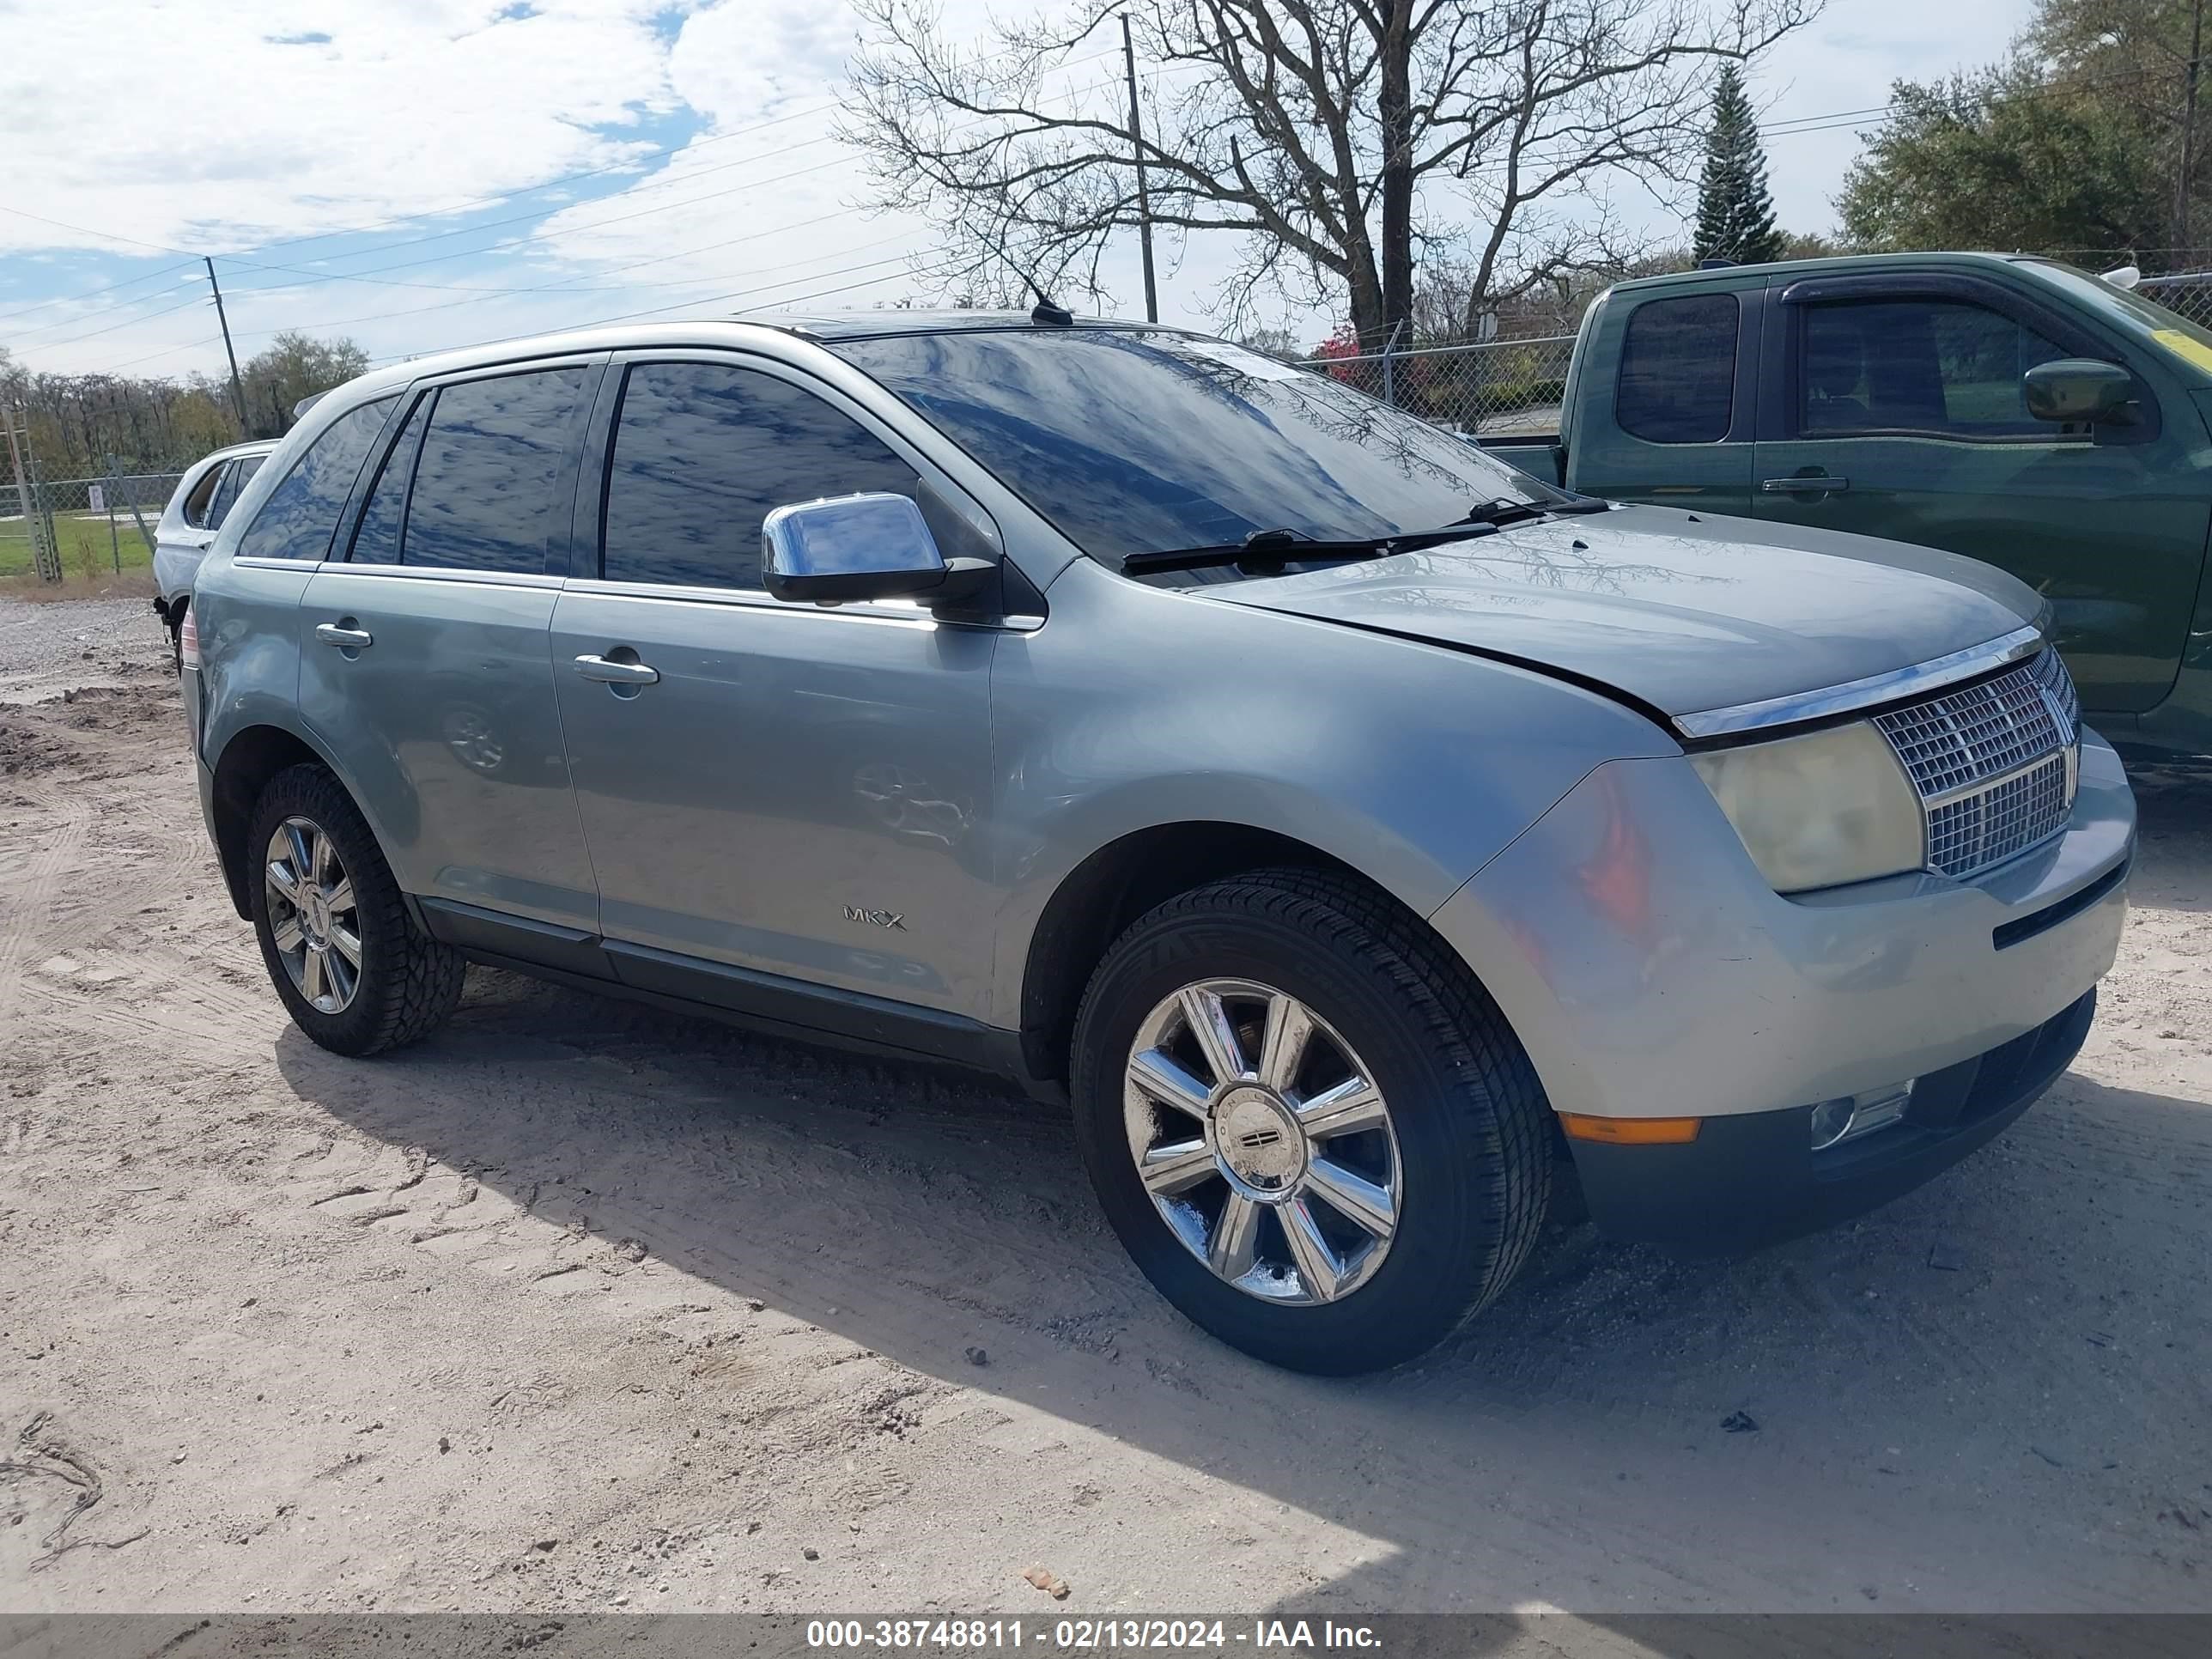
(237, 389)
(1144, 193)
(2181, 203)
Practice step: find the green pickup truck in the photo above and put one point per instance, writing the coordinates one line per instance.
(2014, 409)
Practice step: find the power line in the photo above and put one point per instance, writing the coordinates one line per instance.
(684, 305)
(144, 276)
(154, 298)
(367, 275)
(658, 184)
(511, 242)
(550, 183)
(212, 342)
(476, 296)
(499, 247)
(688, 145)
(1780, 128)
(694, 281)
(128, 322)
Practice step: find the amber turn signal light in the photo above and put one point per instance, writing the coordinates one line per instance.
(1630, 1130)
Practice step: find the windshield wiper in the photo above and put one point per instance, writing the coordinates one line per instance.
(1501, 510)
(1272, 549)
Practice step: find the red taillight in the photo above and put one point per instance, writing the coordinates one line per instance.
(188, 641)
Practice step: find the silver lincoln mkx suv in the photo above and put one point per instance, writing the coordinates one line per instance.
(1362, 836)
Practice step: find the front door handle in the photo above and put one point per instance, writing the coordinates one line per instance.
(346, 639)
(609, 672)
(1809, 482)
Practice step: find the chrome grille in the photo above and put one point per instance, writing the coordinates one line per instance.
(2058, 685)
(1990, 825)
(1994, 763)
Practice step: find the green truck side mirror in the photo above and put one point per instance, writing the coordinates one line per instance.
(2079, 389)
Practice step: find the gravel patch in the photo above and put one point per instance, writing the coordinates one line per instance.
(68, 644)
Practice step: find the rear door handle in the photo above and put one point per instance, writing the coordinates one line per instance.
(1821, 482)
(609, 672)
(345, 638)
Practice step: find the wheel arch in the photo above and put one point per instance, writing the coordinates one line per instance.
(1097, 901)
(252, 756)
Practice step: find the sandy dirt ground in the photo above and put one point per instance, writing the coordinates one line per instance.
(578, 1307)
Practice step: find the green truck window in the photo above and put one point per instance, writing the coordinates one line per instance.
(1943, 367)
(1678, 370)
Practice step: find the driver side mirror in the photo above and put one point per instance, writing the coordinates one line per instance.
(2080, 389)
(873, 546)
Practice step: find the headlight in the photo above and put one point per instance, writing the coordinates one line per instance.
(1821, 809)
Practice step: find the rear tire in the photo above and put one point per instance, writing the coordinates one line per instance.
(1332, 1240)
(352, 969)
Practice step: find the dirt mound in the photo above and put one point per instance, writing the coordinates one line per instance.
(29, 744)
(119, 708)
(39, 737)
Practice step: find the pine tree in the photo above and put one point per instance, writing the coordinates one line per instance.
(1735, 214)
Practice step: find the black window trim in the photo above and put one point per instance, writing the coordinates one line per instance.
(391, 400)
(421, 398)
(240, 479)
(587, 538)
(415, 393)
(225, 497)
(1742, 386)
(1794, 301)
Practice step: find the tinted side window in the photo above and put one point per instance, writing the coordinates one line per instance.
(233, 485)
(296, 520)
(703, 452)
(483, 494)
(226, 496)
(1935, 366)
(377, 539)
(1678, 370)
(198, 503)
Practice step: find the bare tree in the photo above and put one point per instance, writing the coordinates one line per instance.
(1337, 135)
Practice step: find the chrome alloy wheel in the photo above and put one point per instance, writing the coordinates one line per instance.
(312, 915)
(1263, 1141)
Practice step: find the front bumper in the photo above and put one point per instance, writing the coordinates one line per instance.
(1651, 971)
(1754, 1178)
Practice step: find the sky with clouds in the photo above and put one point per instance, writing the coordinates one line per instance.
(549, 163)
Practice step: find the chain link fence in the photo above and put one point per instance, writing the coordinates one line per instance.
(2186, 293)
(1500, 388)
(59, 529)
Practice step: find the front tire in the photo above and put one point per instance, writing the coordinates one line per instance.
(1310, 1126)
(352, 969)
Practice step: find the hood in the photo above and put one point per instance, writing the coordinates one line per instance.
(1680, 612)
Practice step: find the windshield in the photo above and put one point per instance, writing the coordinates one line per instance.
(1143, 441)
(2185, 339)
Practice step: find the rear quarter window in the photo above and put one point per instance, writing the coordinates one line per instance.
(1678, 370)
(296, 520)
(195, 509)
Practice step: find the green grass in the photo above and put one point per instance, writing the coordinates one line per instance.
(86, 548)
